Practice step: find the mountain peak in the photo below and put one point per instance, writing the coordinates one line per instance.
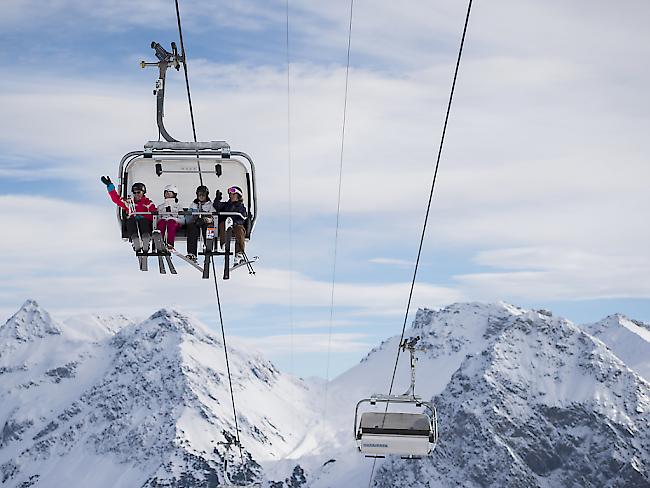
(31, 321)
(174, 320)
(628, 339)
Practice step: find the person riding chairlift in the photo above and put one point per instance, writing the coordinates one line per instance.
(196, 223)
(138, 227)
(169, 224)
(233, 204)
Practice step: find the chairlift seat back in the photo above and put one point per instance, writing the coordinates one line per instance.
(218, 174)
(403, 434)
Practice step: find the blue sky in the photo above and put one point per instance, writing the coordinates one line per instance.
(542, 195)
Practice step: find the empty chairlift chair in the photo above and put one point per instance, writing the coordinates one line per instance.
(403, 433)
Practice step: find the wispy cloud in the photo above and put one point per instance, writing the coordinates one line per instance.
(391, 261)
(306, 343)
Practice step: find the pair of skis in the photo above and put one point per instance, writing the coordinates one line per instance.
(209, 248)
(142, 258)
(163, 252)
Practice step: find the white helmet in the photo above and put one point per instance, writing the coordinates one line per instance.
(172, 188)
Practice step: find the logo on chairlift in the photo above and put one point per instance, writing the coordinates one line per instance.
(373, 444)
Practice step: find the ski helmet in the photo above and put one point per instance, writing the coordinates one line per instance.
(202, 189)
(172, 188)
(235, 189)
(139, 187)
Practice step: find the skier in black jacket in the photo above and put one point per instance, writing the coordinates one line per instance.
(233, 204)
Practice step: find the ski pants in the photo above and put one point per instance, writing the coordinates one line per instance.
(170, 226)
(139, 228)
(238, 232)
(193, 229)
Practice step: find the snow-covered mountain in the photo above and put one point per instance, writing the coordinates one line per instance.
(628, 339)
(524, 399)
(143, 404)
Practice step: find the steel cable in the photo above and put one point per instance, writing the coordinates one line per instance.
(225, 350)
(214, 274)
(187, 85)
(290, 191)
(338, 209)
(426, 217)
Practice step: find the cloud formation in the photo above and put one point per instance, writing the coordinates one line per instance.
(542, 191)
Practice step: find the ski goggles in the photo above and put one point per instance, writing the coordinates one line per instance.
(234, 189)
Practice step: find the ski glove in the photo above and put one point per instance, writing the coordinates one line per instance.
(218, 196)
(109, 184)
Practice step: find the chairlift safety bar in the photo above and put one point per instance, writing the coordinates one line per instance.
(189, 214)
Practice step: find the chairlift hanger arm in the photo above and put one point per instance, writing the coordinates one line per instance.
(165, 59)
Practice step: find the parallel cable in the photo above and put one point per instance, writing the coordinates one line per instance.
(214, 273)
(187, 85)
(426, 217)
(290, 184)
(433, 184)
(372, 472)
(225, 350)
(338, 209)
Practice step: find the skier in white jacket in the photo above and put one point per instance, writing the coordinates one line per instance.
(169, 224)
(197, 223)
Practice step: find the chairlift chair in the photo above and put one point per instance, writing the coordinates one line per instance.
(404, 433)
(186, 165)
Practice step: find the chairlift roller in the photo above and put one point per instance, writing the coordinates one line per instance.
(403, 433)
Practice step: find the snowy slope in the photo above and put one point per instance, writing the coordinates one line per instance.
(629, 340)
(96, 327)
(146, 406)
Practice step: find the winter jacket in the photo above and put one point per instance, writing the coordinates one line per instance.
(197, 206)
(142, 205)
(229, 206)
(173, 207)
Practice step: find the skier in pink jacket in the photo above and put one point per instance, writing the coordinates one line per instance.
(138, 226)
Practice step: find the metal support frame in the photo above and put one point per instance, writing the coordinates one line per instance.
(165, 59)
(227, 483)
(409, 345)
